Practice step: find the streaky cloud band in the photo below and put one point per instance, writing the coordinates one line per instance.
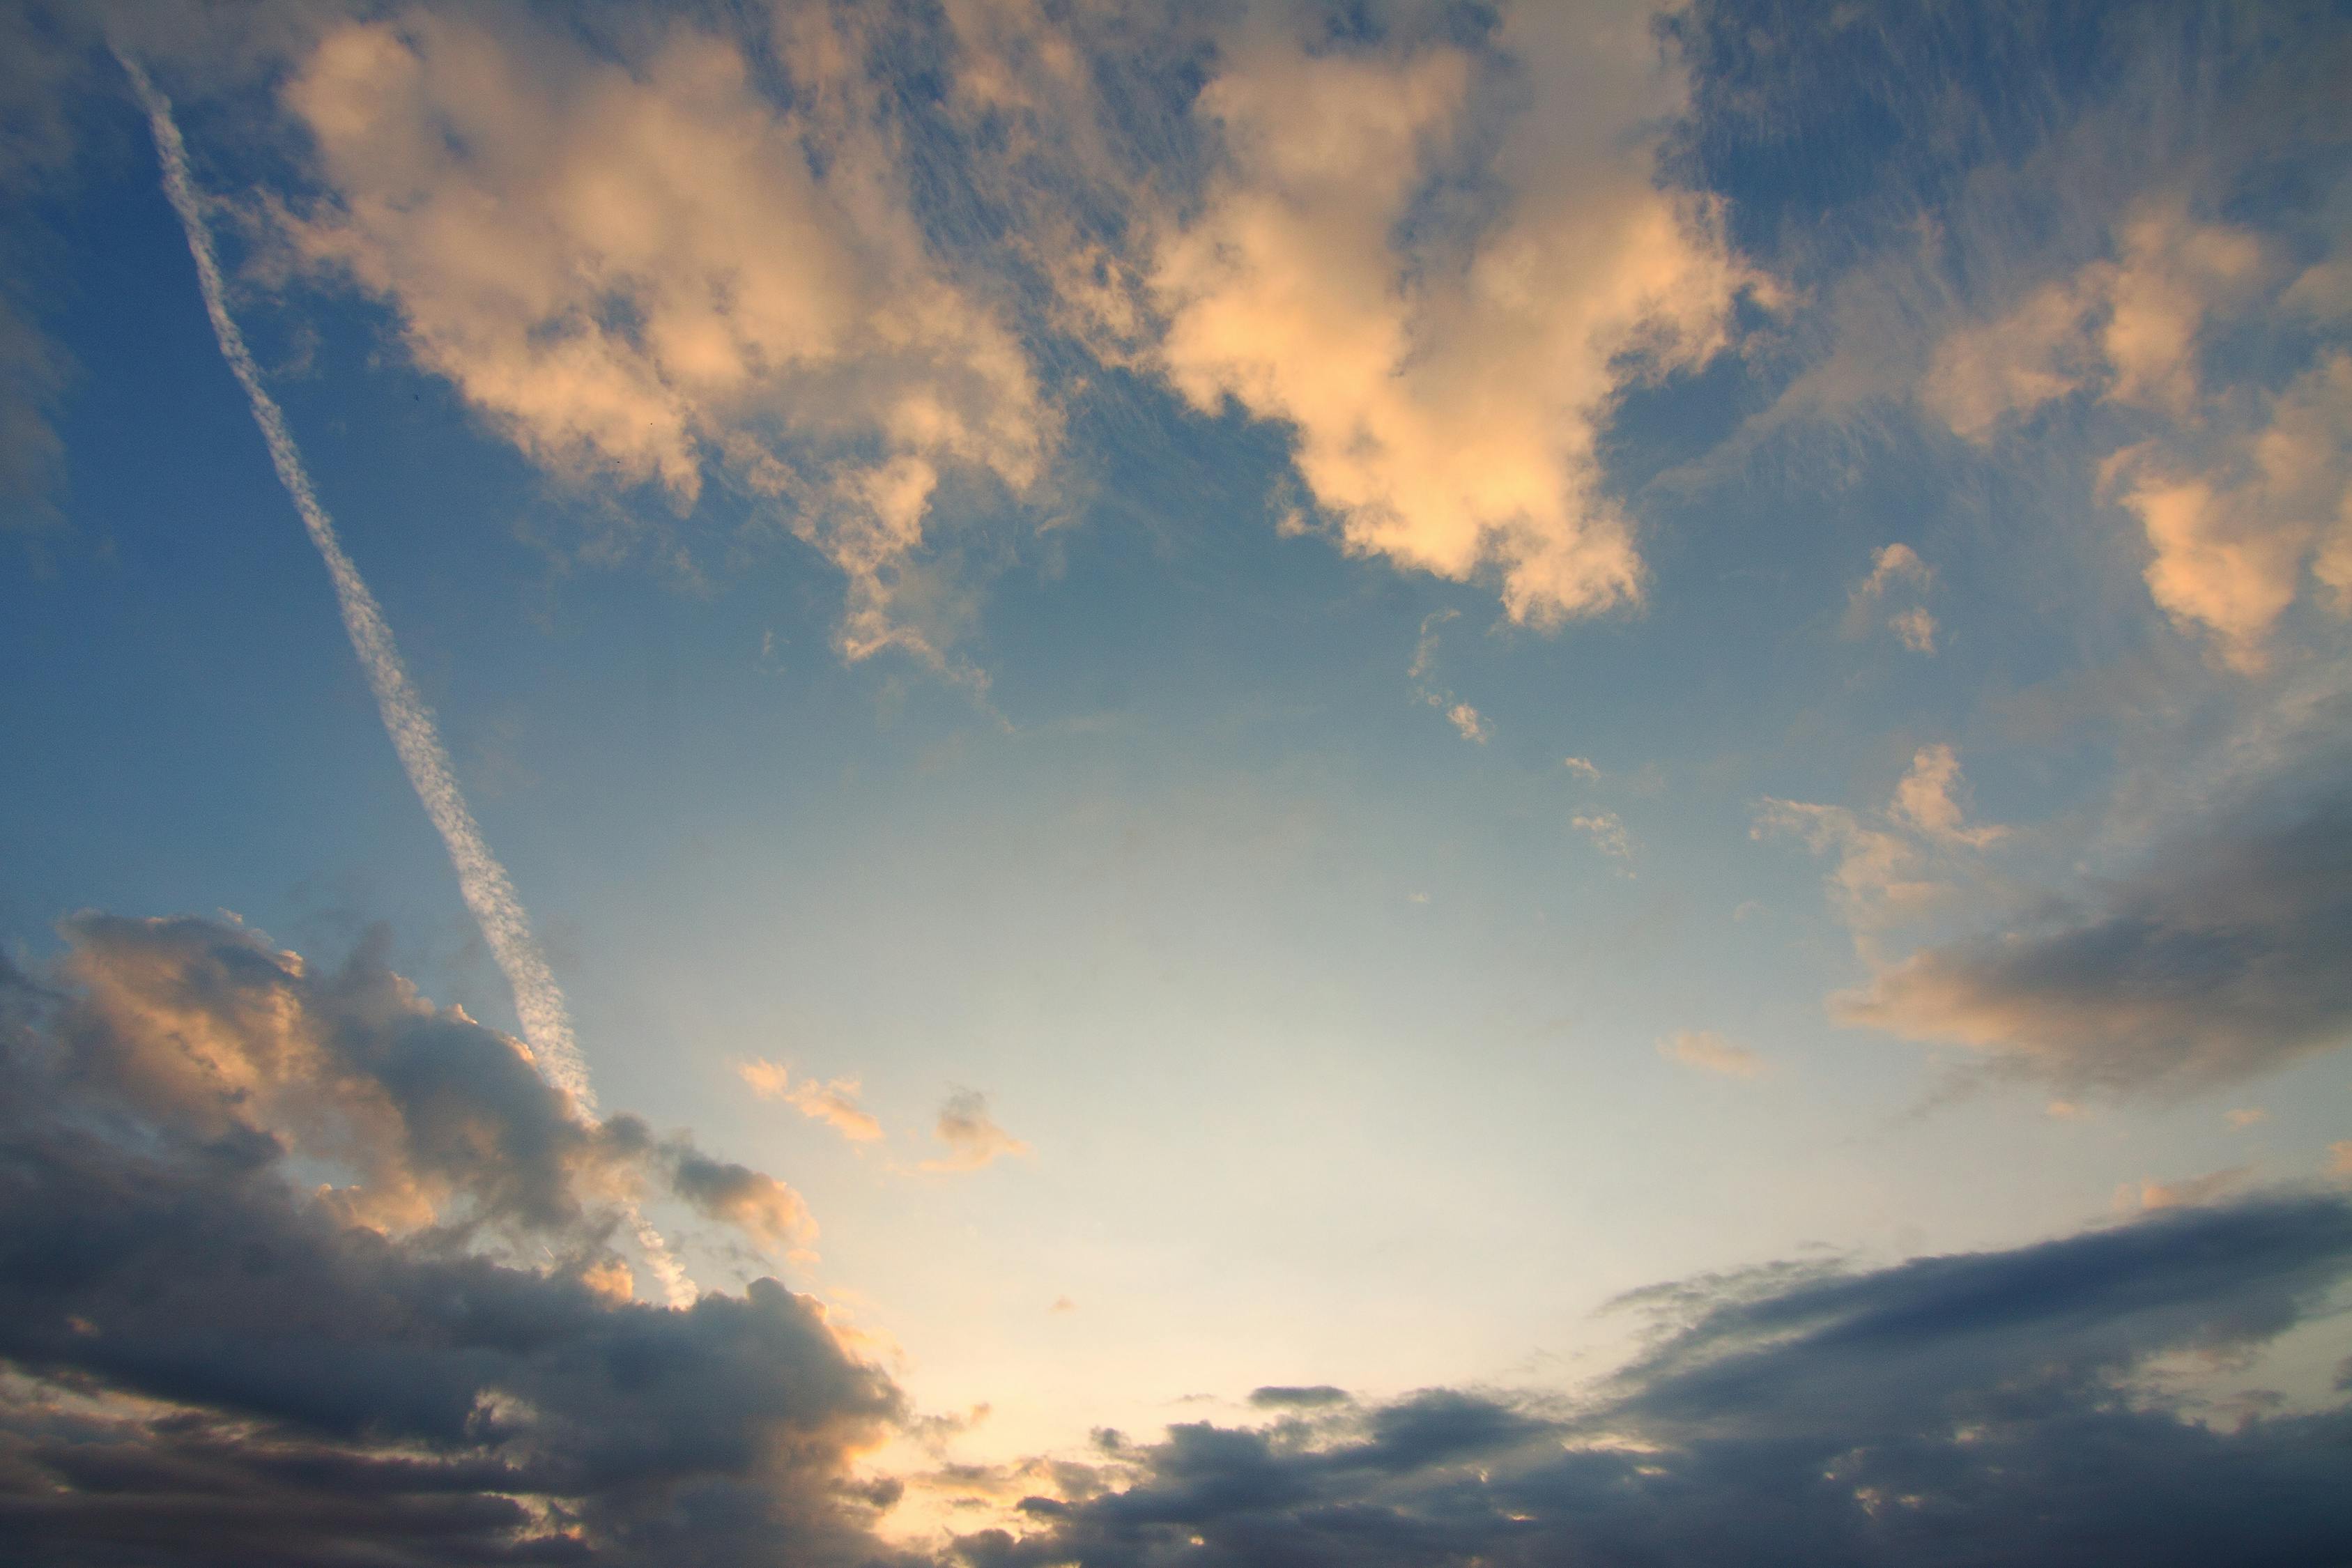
(489, 893)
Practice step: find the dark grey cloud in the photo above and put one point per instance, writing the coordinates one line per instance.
(208, 1359)
(1288, 1395)
(2223, 958)
(1971, 1408)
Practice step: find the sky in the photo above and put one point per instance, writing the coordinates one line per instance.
(1040, 782)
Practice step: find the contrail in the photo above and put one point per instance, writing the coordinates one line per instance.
(488, 890)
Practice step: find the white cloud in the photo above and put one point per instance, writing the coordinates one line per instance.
(1581, 768)
(1465, 719)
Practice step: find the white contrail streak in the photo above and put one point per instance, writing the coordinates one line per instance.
(488, 890)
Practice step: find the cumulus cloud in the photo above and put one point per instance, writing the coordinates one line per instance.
(833, 1102)
(647, 272)
(297, 1267)
(2243, 488)
(2221, 959)
(1446, 390)
(1710, 1052)
(1986, 1406)
(973, 1139)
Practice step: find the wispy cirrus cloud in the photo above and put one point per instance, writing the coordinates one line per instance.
(832, 1102)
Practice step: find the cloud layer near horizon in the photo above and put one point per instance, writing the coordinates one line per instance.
(1976, 1407)
(296, 1268)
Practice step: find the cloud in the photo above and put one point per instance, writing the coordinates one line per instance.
(296, 1267)
(1281, 1396)
(974, 1141)
(482, 878)
(1422, 677)
(2243, 487)
(1874, 884)
(1894, 563)
(1581, 768)
(2247, 1115)
(1606, 831)
(2151, 1194)
(649, 271)
(1710, 1052)
(1466, 722)
(1446, 384)
(833, 1102)
(2219, 960)
(1929, 799)
(1878, 882)
(1896, 566)
(762, 1207)
(1971, 1406)
(765, 1078)
(1915, 628)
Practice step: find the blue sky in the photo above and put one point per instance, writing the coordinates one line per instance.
(1359, 676)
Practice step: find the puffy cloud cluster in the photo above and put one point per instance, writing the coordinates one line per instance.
(642, 271)
(1438, 260)
(297, 1267)
(1447, 390)
(2242, 489)
(1978, 1408)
